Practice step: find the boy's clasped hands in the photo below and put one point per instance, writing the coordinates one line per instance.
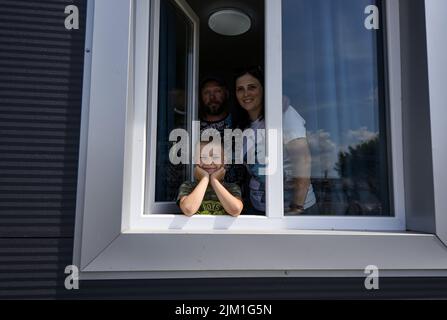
(216, 176)
(221, 198)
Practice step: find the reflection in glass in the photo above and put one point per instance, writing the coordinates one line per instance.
(333, 78)
(175, 35)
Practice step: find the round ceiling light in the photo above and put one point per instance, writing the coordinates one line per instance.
(229, 22)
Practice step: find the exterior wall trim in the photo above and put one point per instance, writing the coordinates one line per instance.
(436, 12)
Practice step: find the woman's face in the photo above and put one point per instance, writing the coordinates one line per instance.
(249, 93)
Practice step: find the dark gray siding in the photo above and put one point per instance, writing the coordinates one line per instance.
(41, 67)
(40, 96)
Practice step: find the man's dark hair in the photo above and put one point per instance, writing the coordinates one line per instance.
(219, 80)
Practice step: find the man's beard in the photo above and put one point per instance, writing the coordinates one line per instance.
(215, 109)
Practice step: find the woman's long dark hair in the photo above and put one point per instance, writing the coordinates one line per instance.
(242, 118)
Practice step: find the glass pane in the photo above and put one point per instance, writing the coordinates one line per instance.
(334, 110)
(175, 47)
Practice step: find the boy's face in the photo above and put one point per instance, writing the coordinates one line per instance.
(211, 158)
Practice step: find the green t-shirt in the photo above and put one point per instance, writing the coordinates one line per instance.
(210, 204)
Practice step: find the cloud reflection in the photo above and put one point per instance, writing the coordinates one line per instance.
(325, 150)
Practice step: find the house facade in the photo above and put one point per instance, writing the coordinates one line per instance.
(88, 189)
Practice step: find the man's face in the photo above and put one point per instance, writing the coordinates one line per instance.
(214, 97)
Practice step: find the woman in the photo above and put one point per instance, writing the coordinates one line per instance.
(299, 197)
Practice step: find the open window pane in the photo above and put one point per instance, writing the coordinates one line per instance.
(174, 70)
(334, 110)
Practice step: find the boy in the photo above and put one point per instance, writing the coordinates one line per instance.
(209, 194)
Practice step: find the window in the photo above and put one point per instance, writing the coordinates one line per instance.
(174, 88)
(334, 86)
(338, 93)
(115, 239)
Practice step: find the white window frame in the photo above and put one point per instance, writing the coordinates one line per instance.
(152, 216)
(150, 57)
(114, 240)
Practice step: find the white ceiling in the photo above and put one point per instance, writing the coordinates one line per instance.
(220, 54)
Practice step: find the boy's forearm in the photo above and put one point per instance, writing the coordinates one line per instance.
(191, 203)
(231, 204)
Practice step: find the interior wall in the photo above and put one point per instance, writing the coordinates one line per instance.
(221, 55)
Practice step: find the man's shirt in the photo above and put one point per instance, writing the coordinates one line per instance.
(220, 126)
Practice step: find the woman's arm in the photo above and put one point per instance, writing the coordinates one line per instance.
(231, 204)
(301, 162)
(190, 204)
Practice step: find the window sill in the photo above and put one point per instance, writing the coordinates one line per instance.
(173, 254)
